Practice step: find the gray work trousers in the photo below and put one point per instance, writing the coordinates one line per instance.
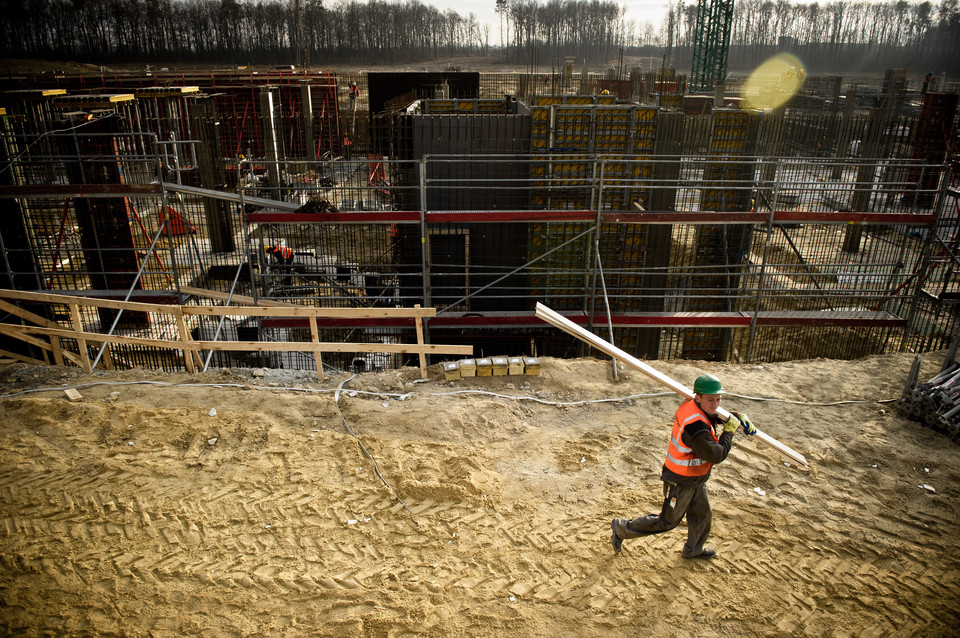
(677, 502)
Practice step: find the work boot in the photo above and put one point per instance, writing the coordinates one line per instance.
(706, 554)
(615, 539)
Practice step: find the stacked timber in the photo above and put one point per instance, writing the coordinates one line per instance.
(936, 403)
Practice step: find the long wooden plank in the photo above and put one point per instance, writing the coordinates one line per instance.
(250, 311)
(246, 300)
(20, 332)
(132, 306)
(307, 311)
(327, 346)
(21, 357)
(559, 321)
(27, 315)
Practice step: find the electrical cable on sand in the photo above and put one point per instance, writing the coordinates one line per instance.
(406, 395)
(376, 468)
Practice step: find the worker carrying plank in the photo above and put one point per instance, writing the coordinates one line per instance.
(693, 451)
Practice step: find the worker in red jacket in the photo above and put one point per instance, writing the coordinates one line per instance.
(282, 257)
(354, 94)
(281, 254)
(694, 449)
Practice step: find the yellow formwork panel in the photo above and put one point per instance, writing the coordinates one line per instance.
(645, 129)
(646, 115)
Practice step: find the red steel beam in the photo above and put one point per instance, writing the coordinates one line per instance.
(646, 217)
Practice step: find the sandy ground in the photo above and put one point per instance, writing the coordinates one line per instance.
(228, 504)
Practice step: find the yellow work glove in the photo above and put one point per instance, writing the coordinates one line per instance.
(748, 428)
(732, 424)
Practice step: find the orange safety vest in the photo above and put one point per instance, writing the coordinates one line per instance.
(284, 252)
(681, 460)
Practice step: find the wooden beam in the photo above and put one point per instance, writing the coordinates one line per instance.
(559, 321)
(306, 311)
(315, 338)
(184, 339)
(77, 322)
(325, 346)
(21, 357)
(130, 306)
(43, 321)
(21, 332)
(418, 322)
(246, 300)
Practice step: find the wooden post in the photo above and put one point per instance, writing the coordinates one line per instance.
(107, 357)
(184, 338)
(81, 342)
(418, 322)
(559, 321)
(315, 337)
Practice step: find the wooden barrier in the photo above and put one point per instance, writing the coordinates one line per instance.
(49, 335)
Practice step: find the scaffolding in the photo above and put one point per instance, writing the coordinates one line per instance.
(701, 236)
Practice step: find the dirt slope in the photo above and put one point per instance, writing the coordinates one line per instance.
(485, 511)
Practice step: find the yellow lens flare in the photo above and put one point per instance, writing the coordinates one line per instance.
(774, 82)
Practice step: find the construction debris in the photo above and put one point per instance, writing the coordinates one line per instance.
(936, 403)
(317, 205)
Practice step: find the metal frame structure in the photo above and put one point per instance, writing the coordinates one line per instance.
(798, 291)
(713, 236)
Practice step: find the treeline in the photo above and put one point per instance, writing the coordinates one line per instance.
(841, 34)
(234, 32)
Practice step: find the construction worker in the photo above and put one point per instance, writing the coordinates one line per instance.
(693, 450)
(354, 94)
(283, 257)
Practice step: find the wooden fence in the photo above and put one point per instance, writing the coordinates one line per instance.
(54, 340)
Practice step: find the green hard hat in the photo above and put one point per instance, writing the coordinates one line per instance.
(707, 384)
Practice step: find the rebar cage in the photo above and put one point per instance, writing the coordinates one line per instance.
(735, 235)
(798, 275)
